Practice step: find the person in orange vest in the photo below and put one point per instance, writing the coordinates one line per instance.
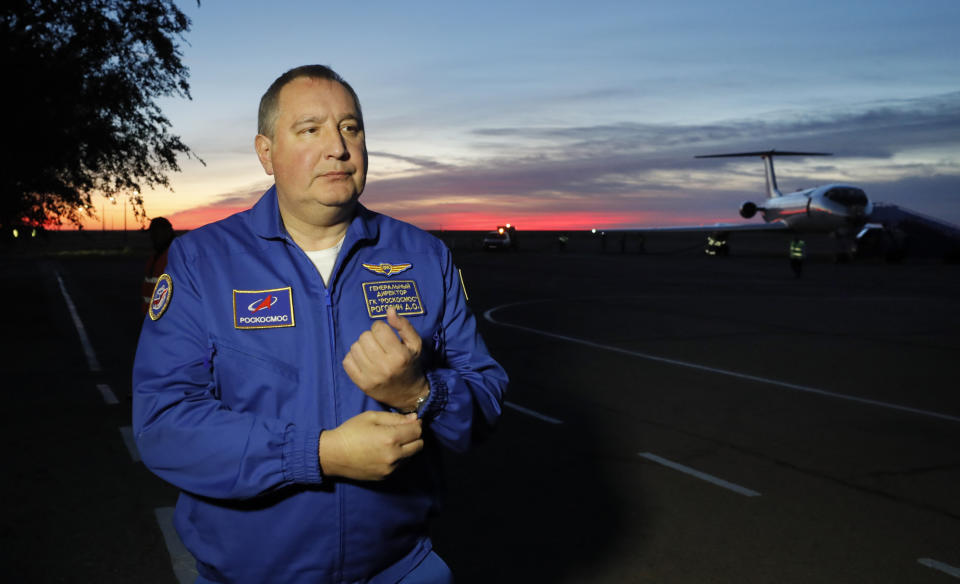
(161, 235)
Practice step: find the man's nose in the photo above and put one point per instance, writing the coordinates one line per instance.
(334, 146)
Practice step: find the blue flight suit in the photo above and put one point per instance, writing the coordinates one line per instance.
(238, 371)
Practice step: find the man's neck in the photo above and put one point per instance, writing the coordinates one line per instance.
(321, 232)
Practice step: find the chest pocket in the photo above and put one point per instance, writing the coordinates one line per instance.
(248, 380)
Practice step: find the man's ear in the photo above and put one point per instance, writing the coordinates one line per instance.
(263, 146)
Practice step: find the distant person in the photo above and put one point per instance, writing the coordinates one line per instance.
(304, 364)
(798, 251)
(161, 235)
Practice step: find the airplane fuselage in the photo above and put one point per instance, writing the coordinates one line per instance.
(829, 208)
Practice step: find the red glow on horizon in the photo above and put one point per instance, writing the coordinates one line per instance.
(181, 220)
(451, 220)
(526, 221)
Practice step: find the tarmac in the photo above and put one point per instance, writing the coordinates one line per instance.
(671, 418)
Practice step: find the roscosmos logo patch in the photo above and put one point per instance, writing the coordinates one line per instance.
(257, 309)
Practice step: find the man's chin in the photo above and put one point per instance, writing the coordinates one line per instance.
(339, 202)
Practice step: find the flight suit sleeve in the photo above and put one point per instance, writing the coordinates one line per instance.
(187, 436)
(467, 385)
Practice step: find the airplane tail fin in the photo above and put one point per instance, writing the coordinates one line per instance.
(767, 155)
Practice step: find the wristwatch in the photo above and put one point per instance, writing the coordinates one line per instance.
(420, 406)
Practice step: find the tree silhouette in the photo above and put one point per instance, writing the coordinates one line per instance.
(82, 79)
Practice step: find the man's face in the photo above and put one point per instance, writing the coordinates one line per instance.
(318, 154)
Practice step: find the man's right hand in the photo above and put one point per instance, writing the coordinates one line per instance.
(370, 445)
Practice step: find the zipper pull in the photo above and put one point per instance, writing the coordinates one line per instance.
(208, 358)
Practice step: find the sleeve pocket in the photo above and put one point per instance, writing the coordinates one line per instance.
(250, 381)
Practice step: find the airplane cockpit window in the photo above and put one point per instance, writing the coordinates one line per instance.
(847, 196)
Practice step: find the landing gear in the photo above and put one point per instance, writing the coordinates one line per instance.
(846, 249)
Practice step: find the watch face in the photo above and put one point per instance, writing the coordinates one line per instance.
(421, 404)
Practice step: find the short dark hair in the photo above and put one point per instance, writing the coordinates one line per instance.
(160, 224)
(267, 116)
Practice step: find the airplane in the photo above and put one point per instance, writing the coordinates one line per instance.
(842, 210)
(825, 209)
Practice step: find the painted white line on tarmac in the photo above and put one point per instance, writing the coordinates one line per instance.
(84, 340)
(532, 413)
(945, 568)
(862, 400)
(700, 475)
(184, 566)
(126, 432)
(108, 396)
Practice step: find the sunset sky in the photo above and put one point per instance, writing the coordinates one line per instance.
(575, 115)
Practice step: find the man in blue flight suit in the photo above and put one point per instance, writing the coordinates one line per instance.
(303, 363)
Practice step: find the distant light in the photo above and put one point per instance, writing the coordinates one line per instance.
(16, 234)
(500, 230)
(508, 226)
(33, 233)
(594, 231)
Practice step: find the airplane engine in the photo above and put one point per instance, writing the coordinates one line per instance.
(748, 210)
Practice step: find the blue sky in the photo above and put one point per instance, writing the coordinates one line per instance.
(568, 114)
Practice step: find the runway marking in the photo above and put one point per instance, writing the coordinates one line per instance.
(126, 432)
(945, 568)
(184, 566)
(84, 340)
(532, 413)
(108, 396)
(700, 475)
(862, 400)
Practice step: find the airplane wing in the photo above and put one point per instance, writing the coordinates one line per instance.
(890, 215)
(712, 228)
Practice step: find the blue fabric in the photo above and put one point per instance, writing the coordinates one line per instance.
(432, 570)
(232, 415)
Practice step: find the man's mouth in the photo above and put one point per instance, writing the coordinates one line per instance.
(335, 174)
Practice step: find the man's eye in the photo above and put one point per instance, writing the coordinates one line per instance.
(350, 129)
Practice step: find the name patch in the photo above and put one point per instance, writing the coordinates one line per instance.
(259, 309)
(400, 294)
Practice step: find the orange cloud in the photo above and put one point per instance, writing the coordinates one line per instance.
(193, 218)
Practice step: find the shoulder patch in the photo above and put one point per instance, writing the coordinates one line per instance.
(162, 293)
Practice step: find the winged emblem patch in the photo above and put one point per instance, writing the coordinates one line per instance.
(385, 269)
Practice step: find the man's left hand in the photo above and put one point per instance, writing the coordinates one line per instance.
(387, 366)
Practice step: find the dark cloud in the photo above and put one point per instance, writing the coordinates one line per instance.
(247, 196)
(225, 205)
(873, 130)
(418, 161)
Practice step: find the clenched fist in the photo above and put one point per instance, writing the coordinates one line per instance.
(386, 366)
